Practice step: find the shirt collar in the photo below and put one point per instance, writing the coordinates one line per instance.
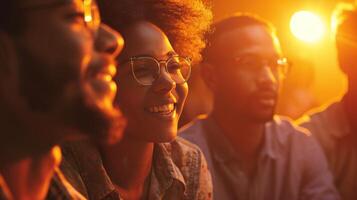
(223, 151)
(166, 173)
(269, 149)
(90, 167)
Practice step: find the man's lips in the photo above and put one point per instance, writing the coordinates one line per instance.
(106, 73)
(100, 76)
(266, 98)
(267, 102)
(104, 68)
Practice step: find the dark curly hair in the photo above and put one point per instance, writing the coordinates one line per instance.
(185, 22)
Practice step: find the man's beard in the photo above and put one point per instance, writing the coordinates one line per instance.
(61, 94)
(261, 116)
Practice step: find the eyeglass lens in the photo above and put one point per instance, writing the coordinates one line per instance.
(146, 70)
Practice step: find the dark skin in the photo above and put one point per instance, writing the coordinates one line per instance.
(30, 133)
(253, 101)
(145, 127)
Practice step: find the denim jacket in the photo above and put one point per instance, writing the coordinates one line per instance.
(179, 171)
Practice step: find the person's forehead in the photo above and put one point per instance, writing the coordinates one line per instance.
(146, 38)
(249, 38)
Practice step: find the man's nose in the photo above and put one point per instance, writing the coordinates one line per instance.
(109, 41)
(267, 76)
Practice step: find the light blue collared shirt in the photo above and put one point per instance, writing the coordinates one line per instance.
(291, 165)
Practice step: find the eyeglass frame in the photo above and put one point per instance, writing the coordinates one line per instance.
(158, 62)
(283, 59)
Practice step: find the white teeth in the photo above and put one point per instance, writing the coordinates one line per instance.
(162, 108)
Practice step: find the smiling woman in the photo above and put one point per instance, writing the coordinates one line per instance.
(143, 104)
(151, 162)
(152, 90)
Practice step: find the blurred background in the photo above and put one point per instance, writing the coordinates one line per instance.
(307, 39)
(315, 78)
(306, 35)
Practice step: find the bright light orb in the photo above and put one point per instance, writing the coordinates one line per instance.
(307, 26)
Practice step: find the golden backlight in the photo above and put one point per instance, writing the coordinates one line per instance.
(307, 26)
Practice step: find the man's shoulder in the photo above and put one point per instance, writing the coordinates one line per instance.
(326, 123)
(287, 137)
(319, 116)
(286, 127)
(287, 133)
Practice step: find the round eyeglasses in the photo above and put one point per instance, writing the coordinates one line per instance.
(146, 69)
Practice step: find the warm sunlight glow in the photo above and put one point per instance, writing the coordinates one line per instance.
(307, 26)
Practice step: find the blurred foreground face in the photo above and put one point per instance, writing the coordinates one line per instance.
(65, 63)
(248, 75)
(151, 97)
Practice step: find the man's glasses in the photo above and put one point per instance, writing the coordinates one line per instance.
(146, 70)
(279, 66)
(91, 15)
(90, 9)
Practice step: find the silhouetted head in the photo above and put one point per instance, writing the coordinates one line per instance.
(346, 40)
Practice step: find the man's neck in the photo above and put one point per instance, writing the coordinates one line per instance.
(245, 136)
(132, 169)
(30, 177)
